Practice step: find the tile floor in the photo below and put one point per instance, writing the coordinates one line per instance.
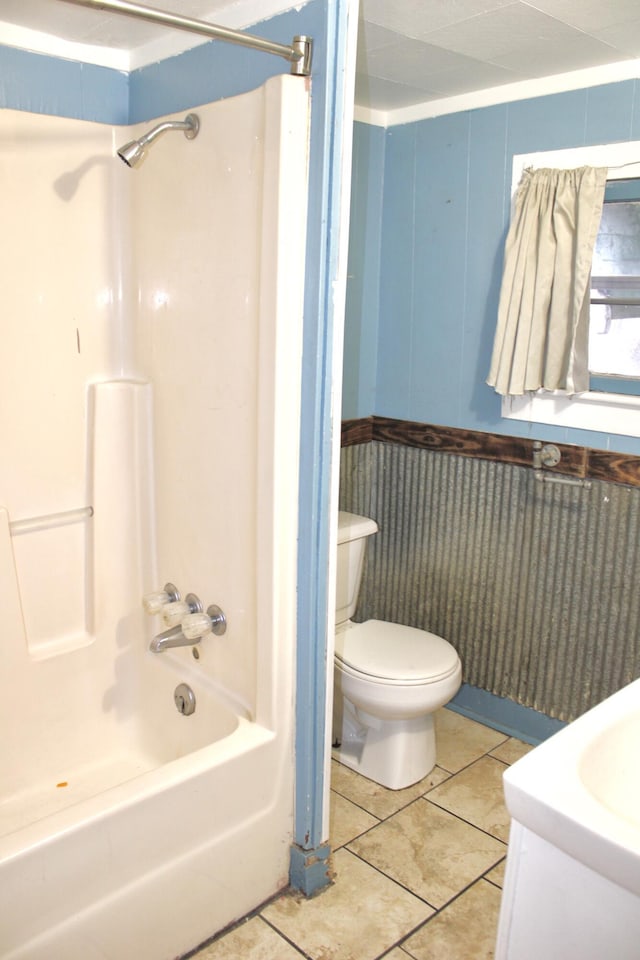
(417, 872)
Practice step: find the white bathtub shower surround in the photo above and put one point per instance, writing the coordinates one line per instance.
(572, 887)
(162, 391)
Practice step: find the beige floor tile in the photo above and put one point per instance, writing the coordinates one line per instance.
(253, 940)
(431, 852)
(460, 741)
(465, 930)
(347, 821)
(396, 954)
(378, 800)
(511, 750)
(360, 916)
(476, 794)
(497, 874)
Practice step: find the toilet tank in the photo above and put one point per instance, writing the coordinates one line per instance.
(353, 531)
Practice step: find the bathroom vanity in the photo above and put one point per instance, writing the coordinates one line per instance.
(572, 886)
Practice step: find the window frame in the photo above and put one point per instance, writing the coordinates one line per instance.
(602, 412)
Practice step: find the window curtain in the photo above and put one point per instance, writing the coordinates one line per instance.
(542, 334)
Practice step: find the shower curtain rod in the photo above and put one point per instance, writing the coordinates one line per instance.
(298, 54)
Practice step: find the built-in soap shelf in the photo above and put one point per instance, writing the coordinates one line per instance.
(45, 562)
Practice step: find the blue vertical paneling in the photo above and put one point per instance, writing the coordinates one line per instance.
(610, 112)
(363, 289)
(547, 123)
(635, 111)
(396, 274)
(197, 76)
(488, 214)
(63, 88)
(104, 94)
(442, 158)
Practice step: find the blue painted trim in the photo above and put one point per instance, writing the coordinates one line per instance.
(309, 869)
(504, 715)
(37, 83)
(327, 136)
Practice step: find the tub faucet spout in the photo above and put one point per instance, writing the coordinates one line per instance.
(174, 637)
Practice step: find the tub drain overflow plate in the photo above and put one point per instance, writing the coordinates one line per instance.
(185, 699)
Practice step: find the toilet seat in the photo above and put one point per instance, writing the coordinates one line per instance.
(394, 654)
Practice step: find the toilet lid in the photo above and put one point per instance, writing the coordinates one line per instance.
(395, 652)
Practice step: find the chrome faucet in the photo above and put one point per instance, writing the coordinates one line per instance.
(173, 637)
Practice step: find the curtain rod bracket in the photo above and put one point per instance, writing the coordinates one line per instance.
(301, 53)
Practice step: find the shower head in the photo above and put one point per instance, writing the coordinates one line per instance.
(134, 152)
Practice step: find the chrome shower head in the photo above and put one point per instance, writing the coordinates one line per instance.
(134, 152)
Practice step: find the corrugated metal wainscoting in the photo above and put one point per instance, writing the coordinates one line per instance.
(536, 585)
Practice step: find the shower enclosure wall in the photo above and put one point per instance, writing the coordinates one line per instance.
(152, 325)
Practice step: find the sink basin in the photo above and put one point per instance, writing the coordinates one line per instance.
(610, 767)
(580, 790)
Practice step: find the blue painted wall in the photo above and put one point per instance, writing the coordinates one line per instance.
(425, 275)
(361, 331)
(215, 70)
(62, 88)
(43, 84)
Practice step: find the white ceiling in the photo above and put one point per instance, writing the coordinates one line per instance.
(415, 51)
(409, 51)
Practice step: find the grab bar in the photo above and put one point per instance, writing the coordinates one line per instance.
(48, 520)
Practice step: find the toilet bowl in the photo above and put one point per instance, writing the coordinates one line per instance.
(388, 680)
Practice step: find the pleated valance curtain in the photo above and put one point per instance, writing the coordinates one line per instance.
(542, 334)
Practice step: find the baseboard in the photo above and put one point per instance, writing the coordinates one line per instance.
(504, 715)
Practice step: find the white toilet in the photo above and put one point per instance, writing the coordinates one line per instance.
(388, 679)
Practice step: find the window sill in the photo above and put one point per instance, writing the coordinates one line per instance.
(603, 412)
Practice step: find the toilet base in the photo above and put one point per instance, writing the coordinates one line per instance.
(393, 753)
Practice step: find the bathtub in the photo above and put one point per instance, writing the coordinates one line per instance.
(169, 452)
(149, 844)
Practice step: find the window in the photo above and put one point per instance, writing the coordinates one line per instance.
(612, 404)
(614, 331)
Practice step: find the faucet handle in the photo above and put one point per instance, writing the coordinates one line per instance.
(173, 613)
(155, 602)
(197, 625)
